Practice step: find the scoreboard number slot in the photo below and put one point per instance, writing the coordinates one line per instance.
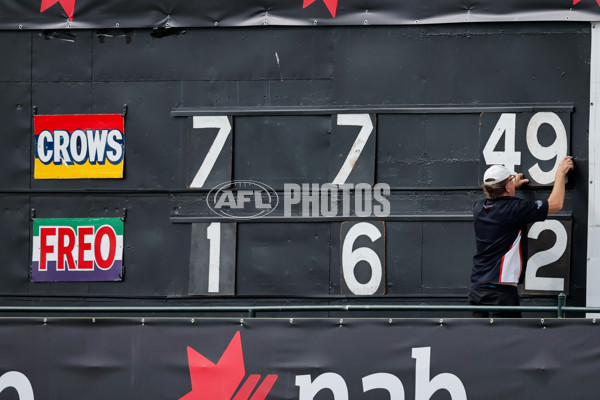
(213, 234)
(506, 136)
(557, 150)
(530, 142)
(549, 252)
(365, 122)
(363, 245)
(201, 177)
(362, 261)
(509, 157)
(216, 166)
(213, 258)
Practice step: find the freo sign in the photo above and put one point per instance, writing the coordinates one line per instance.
(80, 249)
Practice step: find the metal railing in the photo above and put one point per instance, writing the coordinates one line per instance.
(560, 309)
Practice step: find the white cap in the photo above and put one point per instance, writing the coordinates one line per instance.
(496, 174)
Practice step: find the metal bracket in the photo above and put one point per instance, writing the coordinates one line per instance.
(63, 35)
(32, 214)
(34, 110)
(161, 32)
(125, 109)
(113, 33)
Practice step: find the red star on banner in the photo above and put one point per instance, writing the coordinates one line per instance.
(577, 1)
(331, 5)
(67, 5)
(221, 380)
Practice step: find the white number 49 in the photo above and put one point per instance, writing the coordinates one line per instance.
(510, 158)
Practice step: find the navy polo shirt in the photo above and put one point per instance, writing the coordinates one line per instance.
(501, 237)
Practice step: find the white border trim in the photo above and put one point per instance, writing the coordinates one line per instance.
(593, 237)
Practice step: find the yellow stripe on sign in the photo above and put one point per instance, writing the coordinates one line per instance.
(76, 171)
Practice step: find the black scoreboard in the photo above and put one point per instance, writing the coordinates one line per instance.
(309, 201)
(269, 164)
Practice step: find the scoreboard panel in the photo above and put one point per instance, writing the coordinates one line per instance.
(532, 143)
(284, 252)
(408, 140)
(237, 154)
(388, 128)
(369, 258)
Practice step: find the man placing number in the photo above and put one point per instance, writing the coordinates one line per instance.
(500, 222)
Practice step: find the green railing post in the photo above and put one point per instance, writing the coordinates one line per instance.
(562, 299)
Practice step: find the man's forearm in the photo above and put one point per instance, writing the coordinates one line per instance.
(557, 196)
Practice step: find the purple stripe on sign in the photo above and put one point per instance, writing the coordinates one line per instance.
(96, 275)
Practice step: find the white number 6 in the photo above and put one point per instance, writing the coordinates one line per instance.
(350, 258)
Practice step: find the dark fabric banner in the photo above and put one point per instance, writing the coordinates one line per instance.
(306, 359)
(88, 14)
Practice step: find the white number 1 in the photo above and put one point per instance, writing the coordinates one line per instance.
(213, 234)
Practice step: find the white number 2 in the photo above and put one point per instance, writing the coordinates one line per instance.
(546, 257)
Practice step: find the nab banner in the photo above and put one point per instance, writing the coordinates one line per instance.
(79, 146)
(75, 250)
(298, 359)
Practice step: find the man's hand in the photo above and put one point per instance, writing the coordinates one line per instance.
(564, 167)
(519, 180)
(557, 197)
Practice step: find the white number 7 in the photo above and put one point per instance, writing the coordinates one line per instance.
(363, 120)
(201, 122)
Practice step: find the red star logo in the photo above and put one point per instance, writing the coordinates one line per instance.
(67, 5)
(577, 1)
(331, 5)
(221, 380)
